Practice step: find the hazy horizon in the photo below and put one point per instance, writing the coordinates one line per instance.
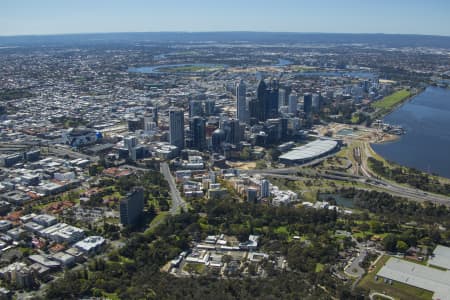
(220, 31)
(53, 17)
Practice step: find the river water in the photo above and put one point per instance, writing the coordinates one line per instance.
(426, 144)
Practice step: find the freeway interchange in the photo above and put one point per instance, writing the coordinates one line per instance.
(413, 194)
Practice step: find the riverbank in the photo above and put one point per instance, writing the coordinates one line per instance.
(404, 175)
(390, 103)
(424, 145)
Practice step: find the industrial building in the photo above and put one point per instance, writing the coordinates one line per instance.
(440, 257)
(427, 278)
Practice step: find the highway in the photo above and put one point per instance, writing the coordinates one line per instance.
(64, 150)
(392, 188)
(177, 202)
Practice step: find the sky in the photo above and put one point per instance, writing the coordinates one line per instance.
(22, 17)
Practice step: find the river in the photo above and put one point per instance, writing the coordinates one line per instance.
(426, 143)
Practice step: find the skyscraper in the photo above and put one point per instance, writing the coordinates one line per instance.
(282, 97)
(307, 108)
(234, 131)
(130, 142)
(316, 99)
(176, 127)
(152, 112)
(241, 105)
(149, 124)
(132, 206)
(307, 104)
(262, 101)
(292, 105)
(210, 107)
(195, 108)
(267, 100)
(272, 106)
(197, 126)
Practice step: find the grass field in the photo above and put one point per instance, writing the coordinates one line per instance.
(194, 268)
(319, 267)
(159, 219)
(355, 119)
(396, 290)
(389, 102)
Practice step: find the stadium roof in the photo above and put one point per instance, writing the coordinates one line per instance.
(420, 276)
(310, 150)
(441, 257)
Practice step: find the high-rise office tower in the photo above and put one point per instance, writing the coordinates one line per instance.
(316, 102)
(195, 108)
(197, 126)
(253, 111)
(272, 105)
(149, 124)
(241, 102)
(292, 105)
(130, 142)
(307, 104)
(235, 132)
(307, 108)
(135, 124)
(267, 101)
(217, 138)
(152, 112)
(176, 127)
(262, 101)
(210, 107)
(132, 206)
(282, 97)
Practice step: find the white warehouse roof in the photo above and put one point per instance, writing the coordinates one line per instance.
(420, 276)
(441, 257)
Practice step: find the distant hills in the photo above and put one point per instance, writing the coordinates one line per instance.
(383, 40)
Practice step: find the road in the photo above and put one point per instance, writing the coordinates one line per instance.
(63, 151)
(373, 295)
(392, 188)
(354, 269)
(177, 202)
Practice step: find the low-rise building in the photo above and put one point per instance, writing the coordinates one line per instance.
(45, 220)
(33, 227)
(5, 225)
(65, 259)
(91, 244)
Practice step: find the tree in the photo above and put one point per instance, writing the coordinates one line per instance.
(245, 154)
(274, 154)
(226, 258)
(401, 246)
(261, 164)
(375, 226)
(390, 242)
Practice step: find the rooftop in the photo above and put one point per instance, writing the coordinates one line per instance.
(441, 257)
(310, 150)
(420, 276)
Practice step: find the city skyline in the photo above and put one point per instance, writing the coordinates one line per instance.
(25, 17)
